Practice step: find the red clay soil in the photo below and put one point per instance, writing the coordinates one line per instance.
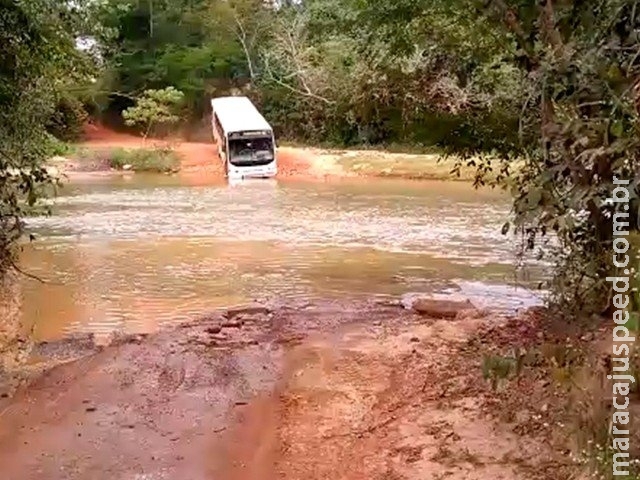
(329, 391)
(199, 159)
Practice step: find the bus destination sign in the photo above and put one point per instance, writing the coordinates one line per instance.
(250, 134)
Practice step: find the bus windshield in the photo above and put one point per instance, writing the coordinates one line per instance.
(251, 151)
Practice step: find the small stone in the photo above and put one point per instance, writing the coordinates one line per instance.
(214, 330)
(415, 339)
(136, 339)
(53, 171)
(127, 167)
(437, 308)
(90, 409)
(250, 310)
(232, 324)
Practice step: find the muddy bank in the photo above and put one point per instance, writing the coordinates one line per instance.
(305, 163)
(330, 390)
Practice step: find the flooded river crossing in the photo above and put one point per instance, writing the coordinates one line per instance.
(132, 254)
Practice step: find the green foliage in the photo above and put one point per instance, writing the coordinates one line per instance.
(585, 73)
(378, 72)
(553, 86)
(68, 120)
(56, 148)
(37, 56)
(154, 107)
(157, 160)
(320, 70)
(151, 160)
(149, 45)
(603, 459)
(498, 368)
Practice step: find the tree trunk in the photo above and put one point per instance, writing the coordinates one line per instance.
(150, 18)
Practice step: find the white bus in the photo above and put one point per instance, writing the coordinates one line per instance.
(245, 139)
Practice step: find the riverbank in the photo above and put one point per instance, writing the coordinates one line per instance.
(93, 155)
(324, 390)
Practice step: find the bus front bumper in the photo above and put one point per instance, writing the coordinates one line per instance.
(263, 171)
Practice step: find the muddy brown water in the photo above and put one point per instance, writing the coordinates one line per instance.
(138, 253)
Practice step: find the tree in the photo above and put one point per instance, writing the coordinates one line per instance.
(294, 63)
(553, 85)
(582, 109)
(37, 56)
(187, 49)
(247, 21)
(154, 107)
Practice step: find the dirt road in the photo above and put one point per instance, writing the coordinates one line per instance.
(201, 164)
(199, 160)
(331, 391)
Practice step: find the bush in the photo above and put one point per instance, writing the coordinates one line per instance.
(56, 148)
(160, 160)
(68, 120)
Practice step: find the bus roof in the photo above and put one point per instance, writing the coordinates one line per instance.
(237, 114)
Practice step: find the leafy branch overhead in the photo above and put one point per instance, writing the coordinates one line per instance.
(39, 59)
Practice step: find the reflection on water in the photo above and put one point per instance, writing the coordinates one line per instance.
(135, 254)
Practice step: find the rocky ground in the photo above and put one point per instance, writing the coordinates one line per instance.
(320, 391)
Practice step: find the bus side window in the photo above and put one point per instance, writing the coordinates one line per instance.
(218, 128)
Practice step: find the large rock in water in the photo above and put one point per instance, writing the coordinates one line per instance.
(440, 308)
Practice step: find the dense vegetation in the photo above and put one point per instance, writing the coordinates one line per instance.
(323, 71)
(38, 62)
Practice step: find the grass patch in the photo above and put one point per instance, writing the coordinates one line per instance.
(397, 160)
(158, 160)
(58, 148)
(425, 167)
(409, 149)
(153, 160)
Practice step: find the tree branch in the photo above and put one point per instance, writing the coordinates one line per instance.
(242, 37)
(511, 20)
(305, 93)
(13, 265)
